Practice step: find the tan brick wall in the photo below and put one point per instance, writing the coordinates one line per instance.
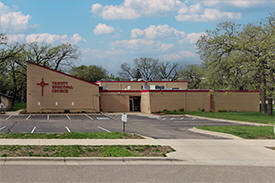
(179, 100)
(145, 103)
(116, 101)
(237, 101)
(189, 101)
(84, 95)
(196, 101)
(138, 85)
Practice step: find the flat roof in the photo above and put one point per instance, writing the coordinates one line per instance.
(139, 91)
(141, 81)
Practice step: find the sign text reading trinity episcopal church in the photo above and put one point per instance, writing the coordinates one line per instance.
(53, 91)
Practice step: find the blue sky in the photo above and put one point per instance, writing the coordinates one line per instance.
(109, 33)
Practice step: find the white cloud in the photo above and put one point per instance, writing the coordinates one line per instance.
(237, 3)
(76, 38)
(103, 29)
(45, 37)
(137, 33)
(131, 9)
(133, 43)
(15, 37)
(178, 56)
(96, 8)
(208, 15)
(195, 8)
(153, 32)
(13, 21)
(193, 37)
(164, 47)
(142, 44)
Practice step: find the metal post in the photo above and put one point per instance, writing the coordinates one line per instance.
(124, 120)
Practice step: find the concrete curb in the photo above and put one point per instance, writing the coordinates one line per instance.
(82, 159)
(218, 134)
(229, 121)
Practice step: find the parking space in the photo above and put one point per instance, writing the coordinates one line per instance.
(79, 117)
(39, 117)
(2, 117)
(58, 117)
(167, 127)
(49, 127)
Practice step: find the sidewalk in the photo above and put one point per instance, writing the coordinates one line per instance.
(193, 152)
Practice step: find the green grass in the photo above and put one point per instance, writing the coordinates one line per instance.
(239, 116)
(247, 132)
(115, 151)
(18, 106)
(83, 151)
(72, 135)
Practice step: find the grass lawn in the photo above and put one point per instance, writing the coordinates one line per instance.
(72, 135)
(239, 116)
(18, 106)
(247, 132)
(84, 151)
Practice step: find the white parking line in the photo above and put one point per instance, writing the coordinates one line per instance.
(48, 117)
(89, 117)
(9, 117)
(2, 128)
(104, 129)
(33, 129)
(68, 117)
(68, 129)
(28, 117)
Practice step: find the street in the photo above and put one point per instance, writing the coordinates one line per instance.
(135, 173)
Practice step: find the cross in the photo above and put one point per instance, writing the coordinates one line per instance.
(42, 84)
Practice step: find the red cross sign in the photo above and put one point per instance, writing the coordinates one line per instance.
(42, 84)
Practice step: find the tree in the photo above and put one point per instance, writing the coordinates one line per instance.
(91, 73)
(240, 58)
(143, 68)
(14, 57)
(194, 75)
(51, 56)
(168, 71)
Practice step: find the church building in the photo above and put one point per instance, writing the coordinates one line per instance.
(49, 90)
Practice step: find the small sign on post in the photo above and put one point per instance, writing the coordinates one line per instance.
(124, 121)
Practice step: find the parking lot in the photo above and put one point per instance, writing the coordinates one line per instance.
(154, 127)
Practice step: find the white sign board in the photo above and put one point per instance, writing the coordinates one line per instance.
(2, 106)
(124, 118)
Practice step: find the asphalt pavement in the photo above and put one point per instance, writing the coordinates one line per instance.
(135, 173)
(167, 127)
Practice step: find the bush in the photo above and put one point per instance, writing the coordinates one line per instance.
(83, 112)
(221, 110)
(67, 111)
(181, 110)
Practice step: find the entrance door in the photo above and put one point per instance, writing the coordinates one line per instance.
(134, 103)
(131, 103)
